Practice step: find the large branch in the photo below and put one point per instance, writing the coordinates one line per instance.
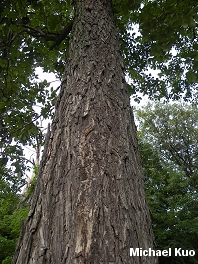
(63, 34)
(36, 32)
(50, 36)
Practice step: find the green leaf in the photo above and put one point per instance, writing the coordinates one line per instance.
(192, 77)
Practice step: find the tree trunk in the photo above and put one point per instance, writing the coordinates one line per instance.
(89, 202)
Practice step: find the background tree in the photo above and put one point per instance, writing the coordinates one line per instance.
(14, 207)
(170, 168)
(11, 216)
(172, 129)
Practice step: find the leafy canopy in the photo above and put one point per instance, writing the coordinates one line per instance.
(169, 44)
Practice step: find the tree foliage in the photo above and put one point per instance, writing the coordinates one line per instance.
(11, 217)
(168, 145)
(173, 130)
(169, 44)
(14, 208)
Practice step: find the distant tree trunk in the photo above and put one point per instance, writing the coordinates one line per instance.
(89, 202)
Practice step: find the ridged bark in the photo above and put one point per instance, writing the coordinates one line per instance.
(89, 202)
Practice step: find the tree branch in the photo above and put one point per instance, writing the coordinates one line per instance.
(57, 38)
(63, 34)
(39, 33)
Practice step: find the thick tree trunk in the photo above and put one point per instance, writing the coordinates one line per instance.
(89, 203)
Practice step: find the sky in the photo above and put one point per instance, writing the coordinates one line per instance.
(29, 152)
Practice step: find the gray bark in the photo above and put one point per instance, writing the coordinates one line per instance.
(89, 202)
